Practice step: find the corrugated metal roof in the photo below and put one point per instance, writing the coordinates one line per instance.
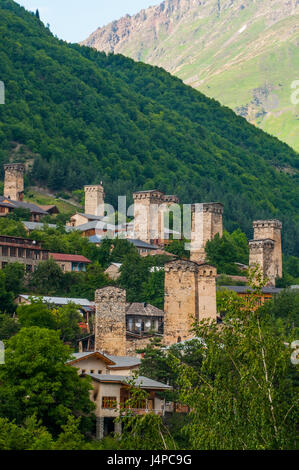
(60, 300)
(40, 225)
(247, 289)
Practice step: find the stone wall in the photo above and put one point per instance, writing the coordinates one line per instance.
(190, 294)
(207, 221)
(149, 210)
(14, 181)
(261, 253)
(110, 324)
(271, 229)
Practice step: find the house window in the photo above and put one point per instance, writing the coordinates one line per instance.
(140, 405)
(109, 402)
(92, 371)
(13, 252)
(99, 371)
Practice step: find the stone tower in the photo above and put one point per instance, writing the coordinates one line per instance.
(147, 219)
(95, 200)
(271, 229)
(190, 294)
(261, 253)
(207, 221)
(110, 321)
(14, 181)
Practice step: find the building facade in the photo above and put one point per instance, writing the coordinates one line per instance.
(21, 250)
(14, 181)
(207, 222)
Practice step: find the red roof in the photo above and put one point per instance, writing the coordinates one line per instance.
(71, 258)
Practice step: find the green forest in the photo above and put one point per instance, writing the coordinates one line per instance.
(83, 116)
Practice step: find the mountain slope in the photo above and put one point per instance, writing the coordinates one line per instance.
(87, 117)
(243, 53)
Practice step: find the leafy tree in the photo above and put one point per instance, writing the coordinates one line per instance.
(145, 432)
(19, 214)
(223, 252)
(68, 319)
(31, 436)
(241, 394)
(177, 247)
(35, 380)
(14, 278)
(153, 289)
(36, 314)
(12, 228)
(8, 327)
(284, 308)
(6, 298)
(47, 278)
(134, 273)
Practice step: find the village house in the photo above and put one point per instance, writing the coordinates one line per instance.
(70, 263)
(112, 380)
(113, 271)
(267, 293)
(85, 307)
(21, 250)
(7, 206)
(13, 197)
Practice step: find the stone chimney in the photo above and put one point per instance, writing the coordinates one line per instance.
(14, 181)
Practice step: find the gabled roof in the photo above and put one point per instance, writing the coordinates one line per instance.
(90, 216)
(59, 300)
(124, 362)
(41, 225)
(144, 309)
(141, 381)
(114, 362)
(71, 258)
(141, 244)
(247, 289)
(77, 357)
(33, 208)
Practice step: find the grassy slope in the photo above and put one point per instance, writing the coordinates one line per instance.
(211, 55)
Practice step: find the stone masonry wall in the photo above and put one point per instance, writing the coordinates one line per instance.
(94, 200)
(271, 229)
(207, 221)
(110, 324)
(14, 181)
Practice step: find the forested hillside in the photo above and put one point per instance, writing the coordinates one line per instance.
(239, 52)
(85, 117)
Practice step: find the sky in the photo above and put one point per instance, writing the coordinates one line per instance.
(75, 20)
